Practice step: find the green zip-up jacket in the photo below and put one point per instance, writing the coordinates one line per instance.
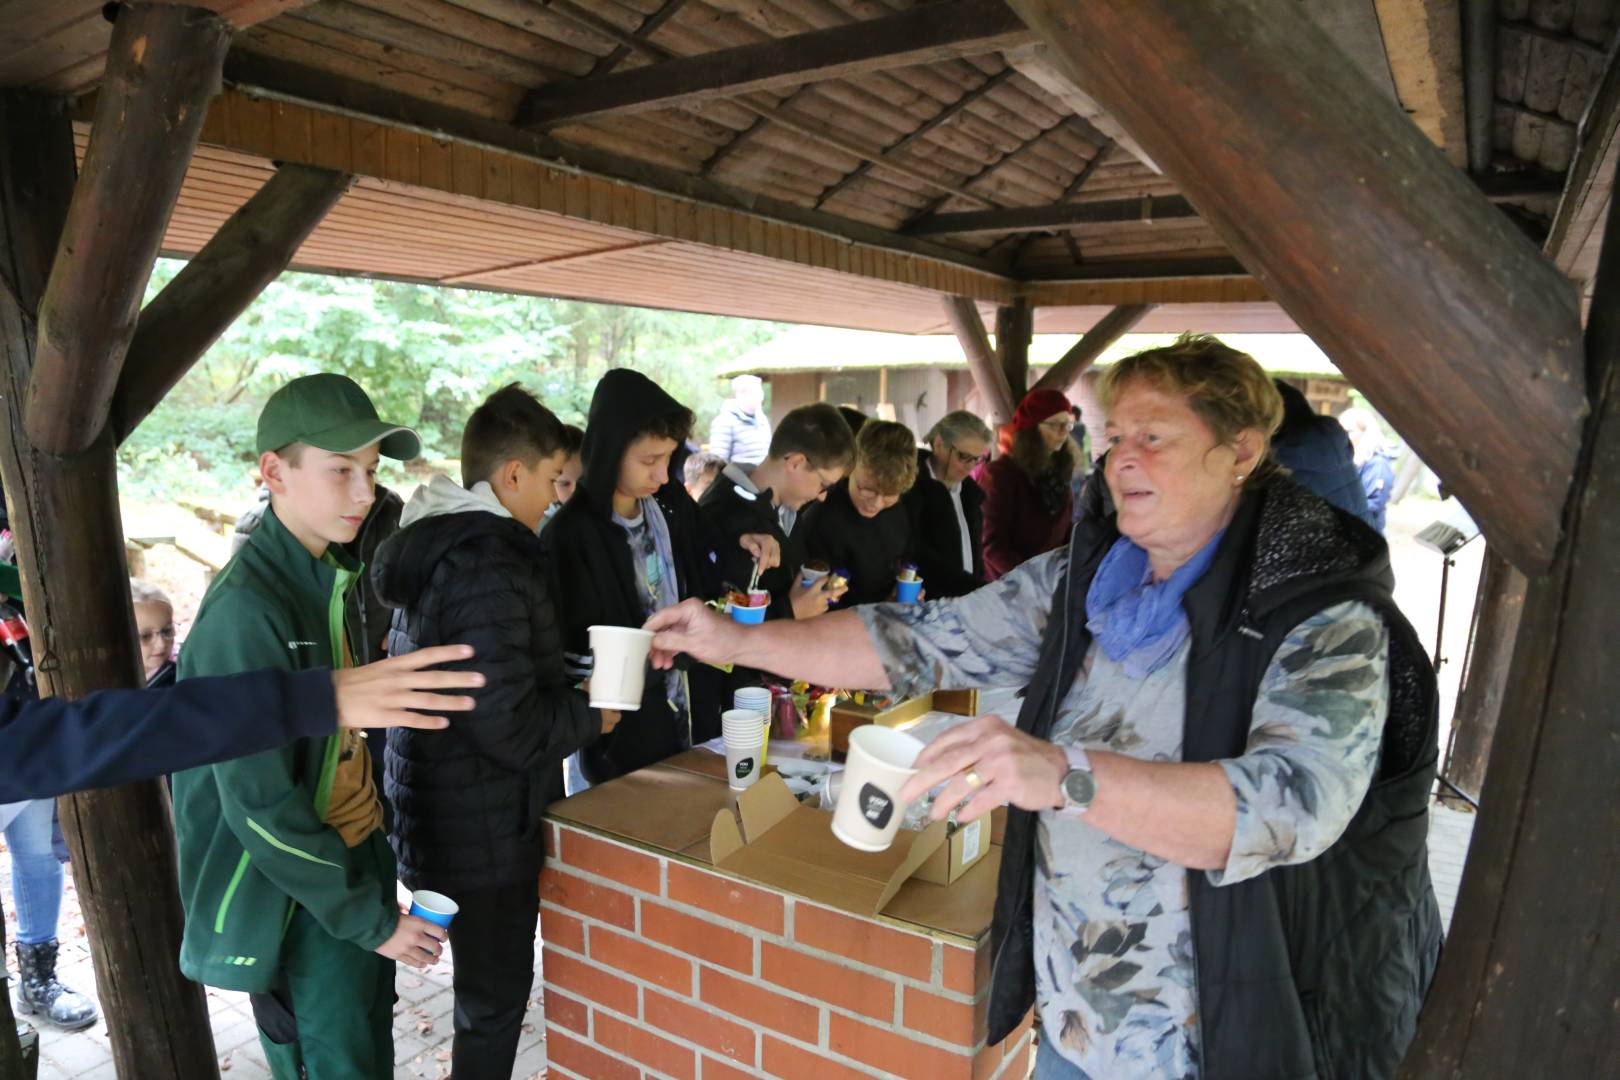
(252, 836)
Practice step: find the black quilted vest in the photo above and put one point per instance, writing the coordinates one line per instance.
(1306, 972)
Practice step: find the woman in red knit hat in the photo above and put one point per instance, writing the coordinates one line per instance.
(1027, 498)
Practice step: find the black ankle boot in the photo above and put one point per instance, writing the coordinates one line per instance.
(39, 994)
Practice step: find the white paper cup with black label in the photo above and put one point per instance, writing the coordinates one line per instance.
(879, 763)
(744, 734)
(619, 666)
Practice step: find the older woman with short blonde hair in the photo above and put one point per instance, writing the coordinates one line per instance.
(1215, 861)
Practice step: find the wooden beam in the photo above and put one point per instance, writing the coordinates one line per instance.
(1590, 181)
(1145, 269)
(918, 134)
(573, 258)
(1498, 607)
(1479, 81)
(163, 67)
(933, 207)
(249, 251)
(963, 315)
(1526, 986)
(926, 34)
(1084, 173)
(295, 83)
(1022, 219)
(1015, 325)
(70, 548)
(1092, 344)
(649, 26)
(1456, 328)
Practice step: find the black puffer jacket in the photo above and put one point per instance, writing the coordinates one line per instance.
(468, 799)
(937, 534)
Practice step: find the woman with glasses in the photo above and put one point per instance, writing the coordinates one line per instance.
(947, 506)
(154, 624)
(1027, 495)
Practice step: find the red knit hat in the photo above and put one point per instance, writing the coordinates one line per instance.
(1039, 406)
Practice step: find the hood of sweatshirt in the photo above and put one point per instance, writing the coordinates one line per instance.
(624, 403)
(440, 516)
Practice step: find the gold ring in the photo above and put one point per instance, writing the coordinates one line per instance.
(973, 780)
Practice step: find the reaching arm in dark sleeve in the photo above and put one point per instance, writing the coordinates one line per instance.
(527, 714)
(113, 737)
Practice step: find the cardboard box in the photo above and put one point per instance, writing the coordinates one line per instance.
(963, 848)
(847, 716)
(786, 846)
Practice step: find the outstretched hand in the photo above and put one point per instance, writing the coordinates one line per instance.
(693, 628)
(402, 692)
(993, 762)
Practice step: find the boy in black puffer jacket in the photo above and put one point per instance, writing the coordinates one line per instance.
(468, 800)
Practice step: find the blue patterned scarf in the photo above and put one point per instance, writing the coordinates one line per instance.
(1139, 622)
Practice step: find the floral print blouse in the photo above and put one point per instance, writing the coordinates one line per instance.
(1115, 967)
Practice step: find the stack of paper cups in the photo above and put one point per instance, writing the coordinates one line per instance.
(744, 734)
(756, 699)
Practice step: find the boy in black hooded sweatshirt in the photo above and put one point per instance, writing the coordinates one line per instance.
(629, 543)
(465, 566)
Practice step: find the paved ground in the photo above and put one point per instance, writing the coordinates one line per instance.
(422, 1024)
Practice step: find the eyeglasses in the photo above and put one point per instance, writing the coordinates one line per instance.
(968, 460)
(149, 636)
(1065, 426)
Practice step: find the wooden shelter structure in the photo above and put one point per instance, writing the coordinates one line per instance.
(1420, 185)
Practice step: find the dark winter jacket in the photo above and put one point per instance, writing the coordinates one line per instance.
(871, 549)
(1304, 972)
(120, 736)
(1377, 475)
(468, 800)
(1016, 528)
(937, 535)
(732, 509)
(594, 580)
(1316, 451)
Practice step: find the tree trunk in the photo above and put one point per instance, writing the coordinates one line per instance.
(1109, 329)
(1014, 328)
(988, 376)
(70, 547)
(1498, 609)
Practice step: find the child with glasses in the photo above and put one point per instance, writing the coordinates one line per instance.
(154, 625)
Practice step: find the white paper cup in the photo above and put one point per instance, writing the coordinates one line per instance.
(619, 668)
(879, 763)
(743, 731)
(754, 699)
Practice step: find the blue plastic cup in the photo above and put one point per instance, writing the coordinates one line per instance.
(907, 591)
(436, 908)
(748, 616)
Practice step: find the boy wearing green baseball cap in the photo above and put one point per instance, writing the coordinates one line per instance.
(285, 871)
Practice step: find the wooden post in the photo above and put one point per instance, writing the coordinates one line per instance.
(1528, 980)
(247, 253)
(163, 66)
(65, 516)
(1426, 296)
(963, 315)
(1497, 611)
(1014, 328)
(1092, 344)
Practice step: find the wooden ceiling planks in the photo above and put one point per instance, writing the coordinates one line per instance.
(1550, 56)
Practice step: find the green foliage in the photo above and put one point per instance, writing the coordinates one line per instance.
(426, 356)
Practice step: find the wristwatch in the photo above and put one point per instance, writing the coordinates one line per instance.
(1079, 784)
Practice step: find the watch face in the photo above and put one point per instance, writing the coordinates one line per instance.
(1079, 787)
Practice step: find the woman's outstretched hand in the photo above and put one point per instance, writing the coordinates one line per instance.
(693, 628)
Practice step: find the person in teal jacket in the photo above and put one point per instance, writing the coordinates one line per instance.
(286, 875)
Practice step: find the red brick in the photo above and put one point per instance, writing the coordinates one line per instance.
(823, 980)
(893, 1053)
(598, 901)
(700, 1026)
(761, 1007)
(1017, 1063)
(796, 1063)
(642, 1045)
(611, 861)
(945, 1019)
(548, 840)
(565, 1011)
(726, 898)
(588, 981)
(863, 940)
(715, 1069)
(614, 950)
(562, 930)
(967, 971)
(695, 937)
(987, 1063)
(582, 1060)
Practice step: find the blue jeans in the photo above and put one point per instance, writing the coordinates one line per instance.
(1051, 1065)
(36, 873)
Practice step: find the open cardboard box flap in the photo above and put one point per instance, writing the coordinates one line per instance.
(791, 847)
